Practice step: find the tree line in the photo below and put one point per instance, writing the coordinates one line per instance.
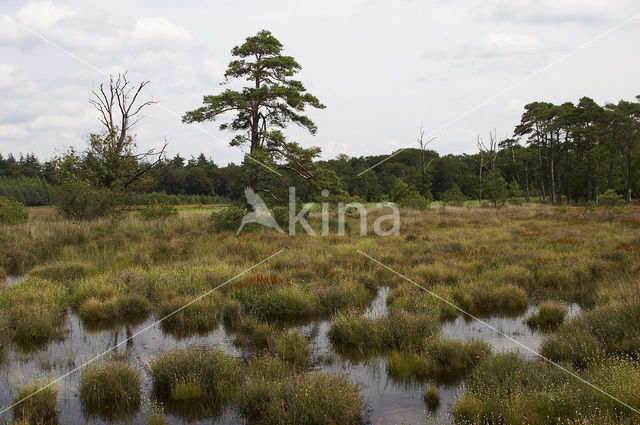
(562, 154)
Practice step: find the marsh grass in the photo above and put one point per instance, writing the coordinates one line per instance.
(199, 317)
(196, 373)
(277, 302)
(508, 389)
(550, 315)
(35, 311)
(608, 329)
(111, 390)
(488, 262)
(399, 330)
(444, 360)
(305, 399)
(35, 405)
(64, 272)
(292, 347)
(431, 396)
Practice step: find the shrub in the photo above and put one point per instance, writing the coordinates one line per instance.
(308, 399)
(209, 374)
(159, 208)
(550, 315)
(40, 406)
(292, 347)
(78, 200)
(516, 196)
(495, 188)
(111, 389)
(610, 198)
(452, 196)
(227, 219)
(12, 212)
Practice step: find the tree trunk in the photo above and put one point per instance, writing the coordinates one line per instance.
(541, 174)
(627, 176)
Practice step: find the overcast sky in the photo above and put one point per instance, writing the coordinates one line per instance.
(382, 68)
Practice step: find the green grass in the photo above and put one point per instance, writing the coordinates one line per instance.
(431, 396)
(438, 359)
(199, 316)
(550, 315)
(64, 272)
(111, 390)
(292, 347)
(307, 399)
(35, 311)
(399, 330)
(36, 405)
(509, 389)
(488, 262)
(196, 373)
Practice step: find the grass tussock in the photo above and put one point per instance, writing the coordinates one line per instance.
(37, 405)
(35, 311)
(110, 390)
(195, 373)
(607, 330)
(445, 360)
(431, 396)
(272, 396)
(550, 315)
(292, 347)
(64, 272)
(200, 316)
(508, 389)
(399, 330)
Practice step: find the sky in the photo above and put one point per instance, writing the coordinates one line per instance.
(460, 69)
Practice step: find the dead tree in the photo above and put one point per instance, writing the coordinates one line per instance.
(114, 149)
(487, 156)
(423, 167)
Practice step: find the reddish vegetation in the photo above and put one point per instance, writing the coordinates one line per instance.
(259, 280)
(570, 241)
(533, 234)
(621, 247)
(472, 252)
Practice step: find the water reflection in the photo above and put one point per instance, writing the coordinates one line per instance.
(390, 401)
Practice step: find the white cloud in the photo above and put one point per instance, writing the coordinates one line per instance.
(490, 46)
(364, 61)
(159, 32)
(552, 11)
(40, 15)
(11, 131)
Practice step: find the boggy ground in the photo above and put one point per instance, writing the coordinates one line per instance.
(99, 278)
